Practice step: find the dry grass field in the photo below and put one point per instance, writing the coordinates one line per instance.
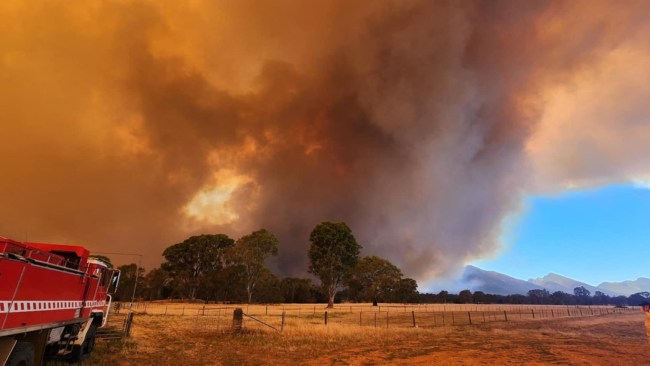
(197, 339)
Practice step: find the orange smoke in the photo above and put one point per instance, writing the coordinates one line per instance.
(128, 126)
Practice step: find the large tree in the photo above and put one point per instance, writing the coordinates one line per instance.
(333, 254)
(465, 297)
(194, 261)
(581, 292)
(374, 279)
(407, 291)
(249, 254)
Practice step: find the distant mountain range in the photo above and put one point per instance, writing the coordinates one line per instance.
(476, 279)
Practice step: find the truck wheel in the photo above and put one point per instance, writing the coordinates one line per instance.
(22, 355)
(80, 353)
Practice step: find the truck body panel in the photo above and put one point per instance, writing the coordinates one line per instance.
(45, 287)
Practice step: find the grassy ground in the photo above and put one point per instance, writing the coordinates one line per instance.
(614, 339)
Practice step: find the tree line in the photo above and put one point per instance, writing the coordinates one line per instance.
(580, 296)
(214, 267)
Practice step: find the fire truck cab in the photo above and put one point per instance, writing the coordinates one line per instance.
(53, 298)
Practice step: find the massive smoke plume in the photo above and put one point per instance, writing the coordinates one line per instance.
(127, 126)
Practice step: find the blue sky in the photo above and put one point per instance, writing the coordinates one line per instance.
(590, 235)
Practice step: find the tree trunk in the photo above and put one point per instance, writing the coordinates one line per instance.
(331, 293)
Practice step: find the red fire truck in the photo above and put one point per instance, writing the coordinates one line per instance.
(52, 300)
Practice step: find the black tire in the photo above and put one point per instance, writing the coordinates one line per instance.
(22, 355)
(82, 352)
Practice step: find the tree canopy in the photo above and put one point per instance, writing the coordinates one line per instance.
(191, 261)
(250, 252)
(375, 279)
(333, 254)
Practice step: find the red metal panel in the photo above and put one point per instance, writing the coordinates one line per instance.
(39, 291)
(45, 296)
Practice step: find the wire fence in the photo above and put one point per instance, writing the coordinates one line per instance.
(279, 317)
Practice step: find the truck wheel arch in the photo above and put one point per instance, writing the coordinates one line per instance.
(22, 355)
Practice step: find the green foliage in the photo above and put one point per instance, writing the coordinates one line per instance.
(269, 288)
(465, 297)
(192, 262)
(538, 296)
(407, 291)
(249, 253)
(479, 297)
(375, 279)
(333, 254)
(297, 290)
(581, 292)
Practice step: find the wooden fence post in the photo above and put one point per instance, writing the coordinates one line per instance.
(127, 327)
(532, 311)
(452, 318)
(282, 325)
(505, 315)
(360, 318)
(165, 309)
(413, 313)
(386, 320)
(375, 319)
(237, 320)
(326, 318)
(469, 316)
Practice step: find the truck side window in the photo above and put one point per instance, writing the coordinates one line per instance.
(105, 278)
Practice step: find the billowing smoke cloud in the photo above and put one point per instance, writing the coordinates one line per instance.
(128, 126)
